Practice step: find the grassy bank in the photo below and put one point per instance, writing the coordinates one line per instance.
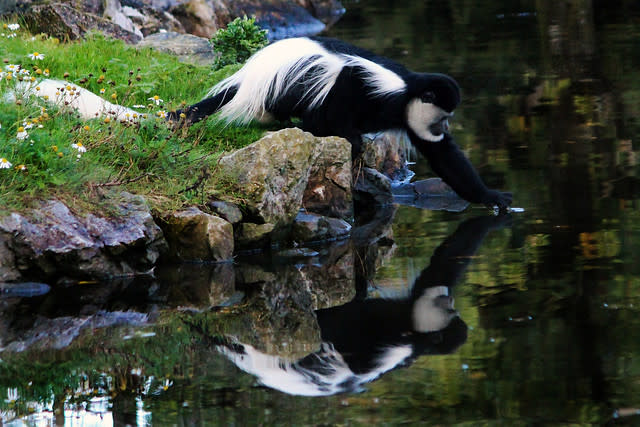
(47, 151)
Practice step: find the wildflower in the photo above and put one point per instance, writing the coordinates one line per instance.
(21, 168)
(107, 119)
(36, 55)
(46, 72)
(162, 114)
(26, 125)
(103, 90)
(22, 134)
(13, 27)
(87, 128)
(54, 148)
(114, 96)
(81, 148)
(4, 163)
(156, 99)
(139, 106)
(60, 154)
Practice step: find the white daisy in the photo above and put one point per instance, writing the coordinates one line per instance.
(4, 163)
(36, 55)
(81, 148)
(13, 27)
(22, 134)
(162, 114)
(156, 99)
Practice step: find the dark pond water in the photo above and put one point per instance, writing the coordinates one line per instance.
(546, 327)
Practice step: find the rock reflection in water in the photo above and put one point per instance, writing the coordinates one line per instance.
(366, 337)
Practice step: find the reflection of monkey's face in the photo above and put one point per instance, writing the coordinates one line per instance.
(433, 310)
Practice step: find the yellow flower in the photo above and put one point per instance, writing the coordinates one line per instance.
(87, 128)
(107, 119)
(21, 168)
(54, 148)
(114, 96)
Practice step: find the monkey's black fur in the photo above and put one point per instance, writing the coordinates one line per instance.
(356, 103)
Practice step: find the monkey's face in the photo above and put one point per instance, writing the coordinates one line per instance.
(432, 99)
(427, 120)
(434, 310)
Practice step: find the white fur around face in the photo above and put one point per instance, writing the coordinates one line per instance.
(427, 315)
(421, 115)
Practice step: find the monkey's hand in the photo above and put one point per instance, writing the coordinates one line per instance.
(497, 198)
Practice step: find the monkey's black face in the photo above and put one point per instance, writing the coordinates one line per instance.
(428, 112)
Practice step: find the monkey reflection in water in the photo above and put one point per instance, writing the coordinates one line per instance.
(365, 338)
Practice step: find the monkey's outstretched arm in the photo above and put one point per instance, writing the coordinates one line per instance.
(446, 160)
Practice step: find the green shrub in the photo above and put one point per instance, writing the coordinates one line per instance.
(238, 41)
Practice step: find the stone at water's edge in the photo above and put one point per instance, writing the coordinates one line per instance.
(274, 175)
(53, 240)
(328, 190)
(193, 235)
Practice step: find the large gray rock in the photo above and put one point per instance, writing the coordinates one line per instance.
(273, 173)
(54, 240)
(65, 22)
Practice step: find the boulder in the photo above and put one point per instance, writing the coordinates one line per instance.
(387, 153)
(328, 191)
(327, 11)
(312, 227)
(202, 17)
(282, 18)
(65, 22)
(196, 236)
(226, 210)
(187, 47)
(55, 241)
(273, 173)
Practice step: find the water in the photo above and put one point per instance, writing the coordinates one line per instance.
(547, 329)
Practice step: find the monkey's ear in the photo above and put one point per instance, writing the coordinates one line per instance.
(428, 97)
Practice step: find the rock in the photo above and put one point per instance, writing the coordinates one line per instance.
(195, 235)
(114, 11)
(54, 241)
(327, 11)
(186, 47)
(273, 172)
(251, 236)
(226, 210)
(375, 185)
(431, 193)
(386, 152)
(202, 17)
(328, 191)
(64, 22)
(311, 227)
(282, 18)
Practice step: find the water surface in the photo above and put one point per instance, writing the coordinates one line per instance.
(546, 328)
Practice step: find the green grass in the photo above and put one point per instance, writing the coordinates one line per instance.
(146, 158)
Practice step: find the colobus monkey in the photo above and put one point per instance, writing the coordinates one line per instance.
(365, 338)
(338, 89)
